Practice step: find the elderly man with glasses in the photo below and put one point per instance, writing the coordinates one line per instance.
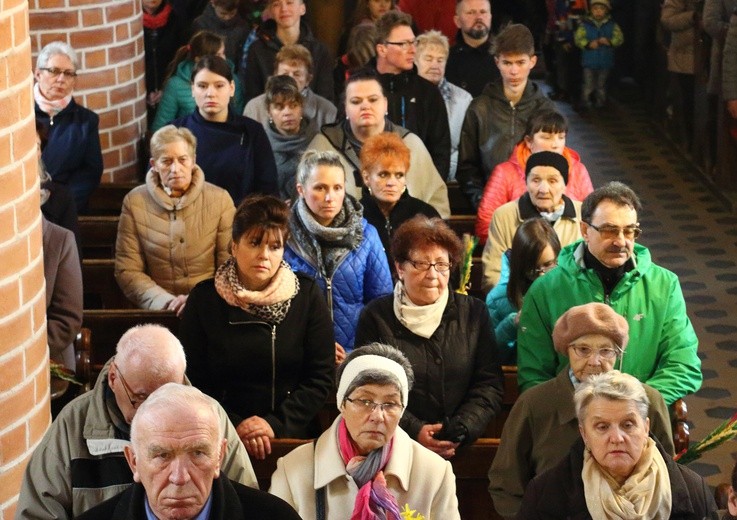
(607, 266)
(80, 462)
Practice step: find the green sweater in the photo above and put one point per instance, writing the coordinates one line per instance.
(662, 342)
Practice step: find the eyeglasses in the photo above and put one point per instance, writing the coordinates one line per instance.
(404, 45)
(368, 406)
(604, 353)
(135, 403)
(612, 232)
(539, 271)
(53, 71)
(440, 267)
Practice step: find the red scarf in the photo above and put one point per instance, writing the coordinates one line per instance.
(157, 21)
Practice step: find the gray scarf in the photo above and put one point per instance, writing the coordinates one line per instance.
(287, 151)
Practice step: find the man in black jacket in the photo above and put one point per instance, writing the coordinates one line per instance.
(414, 103)
(176, 451)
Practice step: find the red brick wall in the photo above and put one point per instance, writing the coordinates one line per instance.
(108, 38)
(24, 381)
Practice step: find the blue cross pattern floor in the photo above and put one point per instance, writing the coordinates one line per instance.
(689, 231)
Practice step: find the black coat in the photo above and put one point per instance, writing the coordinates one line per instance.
(406, 208)
(457, 376)
(230, 356)
(161, 45)
(471, 68)
(417, 105)
(559, 492)
(230, 501)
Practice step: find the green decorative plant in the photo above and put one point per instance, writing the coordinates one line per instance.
(723, 433)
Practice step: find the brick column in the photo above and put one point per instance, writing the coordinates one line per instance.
(24, 371)
(108, 38)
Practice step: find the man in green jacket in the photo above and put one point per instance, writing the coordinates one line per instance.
(607, 266)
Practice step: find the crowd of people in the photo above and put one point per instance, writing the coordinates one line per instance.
(292, 218)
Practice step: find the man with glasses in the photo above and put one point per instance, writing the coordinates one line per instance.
(80, 461)
(607, 266)
(414, 103)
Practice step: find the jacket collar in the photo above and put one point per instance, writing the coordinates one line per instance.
(527, 210)
(154, 188)
(563, 389)
(461, 44)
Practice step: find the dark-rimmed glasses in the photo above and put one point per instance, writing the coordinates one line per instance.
(612, 232)
(55, 72)
(135, 403)
(405, 45)
(441, 267)
(368, 406)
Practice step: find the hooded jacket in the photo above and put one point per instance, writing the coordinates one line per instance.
(508, 183)
(165, 246)
(601, 58)
(490, 132)
(417, 105)
(662, 350)
(262, 56)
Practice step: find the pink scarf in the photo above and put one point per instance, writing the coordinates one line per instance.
(50, 107)
(374, 501)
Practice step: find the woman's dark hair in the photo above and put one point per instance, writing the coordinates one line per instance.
(550, 121)
(361, 45)
(282, 89)
(259, 214)
(421, 232)
(531, 238)
(201, 44)
(364, 74)
(214, 64)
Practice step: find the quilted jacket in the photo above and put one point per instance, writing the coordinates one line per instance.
(165, 246)
(361, 276)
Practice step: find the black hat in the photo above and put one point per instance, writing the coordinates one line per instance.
(555, 160)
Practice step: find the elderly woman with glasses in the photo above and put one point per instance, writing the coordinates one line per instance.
(616, 469)
(446, 336)
(72, 155)
(542, 424)
(365, 465)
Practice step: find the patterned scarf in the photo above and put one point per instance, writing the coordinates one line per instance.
(158, 20)
(271, 304)
(444, 87)
(374, 501)
(327, 245)
(50, 107)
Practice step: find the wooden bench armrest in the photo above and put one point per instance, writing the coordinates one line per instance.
(82, 349)
(681, 433)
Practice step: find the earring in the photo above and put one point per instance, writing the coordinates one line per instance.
(369, 190)
(271, 121)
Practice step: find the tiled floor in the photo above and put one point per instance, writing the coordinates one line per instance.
(689, 232)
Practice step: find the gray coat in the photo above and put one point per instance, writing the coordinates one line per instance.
(677, 16)
(729, 77)
(716, 21)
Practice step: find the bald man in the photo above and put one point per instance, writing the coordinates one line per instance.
(80, 461)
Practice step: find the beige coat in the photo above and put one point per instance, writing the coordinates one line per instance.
(504, 225)
(414, 475)
(165, 246)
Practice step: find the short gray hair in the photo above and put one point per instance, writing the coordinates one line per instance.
(614, 386)
(432, 38)
(169, 134)
(54, 48)
(377, 377)
(311, 159)
(175, 396)
(153, 346)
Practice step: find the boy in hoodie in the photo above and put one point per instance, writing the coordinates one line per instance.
(496, 120)
(222, 18)
(597, 37)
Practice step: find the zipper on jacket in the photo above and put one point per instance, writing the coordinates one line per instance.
(51, 120)
(329, 294)
(273, 368)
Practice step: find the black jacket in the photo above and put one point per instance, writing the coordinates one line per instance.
(491, 129)
(469, 67)
(457, 377)
(230, 501)
(405, 208)
(559, 492)
(262, 55)
(281, 373)
(417, 105)
(161, 45)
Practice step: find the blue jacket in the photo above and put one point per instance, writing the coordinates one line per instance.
(603, 56)
(235, 155)
(361, 276)
(73, 156)
(502, 313)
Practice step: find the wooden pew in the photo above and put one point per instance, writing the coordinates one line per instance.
(470, 465)
(459, 204)
(107, 199)
(101, 291)
(107, 326)
(97, 236)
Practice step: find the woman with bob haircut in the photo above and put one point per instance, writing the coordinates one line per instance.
(258, 337)
(446, 336)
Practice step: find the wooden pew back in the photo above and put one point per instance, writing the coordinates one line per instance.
(97, 236)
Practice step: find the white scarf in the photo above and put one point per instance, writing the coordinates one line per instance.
(646, 493)
(422, 320)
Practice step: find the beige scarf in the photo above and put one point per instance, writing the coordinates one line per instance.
(646, 493)
(422, 320)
